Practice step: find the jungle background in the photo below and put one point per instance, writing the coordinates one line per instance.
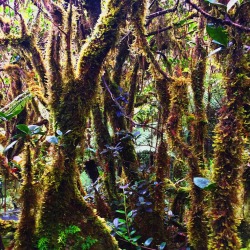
(124, 124)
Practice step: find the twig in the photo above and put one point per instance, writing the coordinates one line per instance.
(171, 26)
(226, 21)
(122, 109)
(163, 12)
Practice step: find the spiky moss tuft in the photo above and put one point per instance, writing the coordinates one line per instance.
(27, 223)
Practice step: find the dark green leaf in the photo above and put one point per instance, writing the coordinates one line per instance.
(217, 33)
(210, 187)
(24, 128)
(148, 241)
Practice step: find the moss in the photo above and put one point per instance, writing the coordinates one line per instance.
(200, 123)
(26, 227)
(197, 225)
(228, 152)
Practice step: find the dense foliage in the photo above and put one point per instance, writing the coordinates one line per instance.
(124, 124)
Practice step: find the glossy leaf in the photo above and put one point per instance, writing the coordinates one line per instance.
(215, 2)
(162, 245)
(214, 51)
(52, 139)
(148, 242)
(116, 222)
(201, 182)
(230, 4)
(11, 145)
(24, 128)
(34, 129)
(59, 132)
(217, 33)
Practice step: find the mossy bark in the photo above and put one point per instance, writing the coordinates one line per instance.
(197, 226)
(25, 235)
(103, 138)
(229, 145)
(62, 204)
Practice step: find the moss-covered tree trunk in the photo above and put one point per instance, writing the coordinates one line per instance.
(62, 204)
(229, 145)
(25, 239)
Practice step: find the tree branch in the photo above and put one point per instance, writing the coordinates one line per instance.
(226, 21)
(163, 12)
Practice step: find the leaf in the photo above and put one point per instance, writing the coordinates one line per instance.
(116, 222)
(230, 4)
(34, 129)
(201, 182)
(217, 33)
(148, 241)
(130, 214)
(136, 238)
(3, 116)
(214, 51)
(10, 146)
(24, 128)
(210, 187)
(52, 139)
(162, 245)
(59, 132)
(120, 211)
(215, 2)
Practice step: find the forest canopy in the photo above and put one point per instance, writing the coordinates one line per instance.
(124, 124)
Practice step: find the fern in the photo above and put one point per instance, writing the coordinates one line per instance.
(43, 244)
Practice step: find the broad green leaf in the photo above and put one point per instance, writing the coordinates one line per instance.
(162, 245)
(10, 146)
(52, 139)
(201, 182)
(218, 34)
(230, 4)
(24, 128)
(148, 242)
